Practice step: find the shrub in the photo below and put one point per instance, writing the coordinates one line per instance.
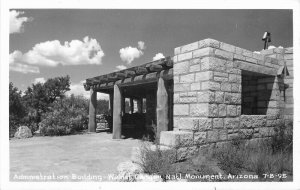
(63, 119)
(154, 160)
(283, 138)
(231, 158)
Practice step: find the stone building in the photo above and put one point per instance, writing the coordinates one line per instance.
(208, 93)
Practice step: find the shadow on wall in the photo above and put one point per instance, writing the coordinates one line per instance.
(258, 93)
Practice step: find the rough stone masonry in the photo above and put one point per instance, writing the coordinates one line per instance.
(223, 92)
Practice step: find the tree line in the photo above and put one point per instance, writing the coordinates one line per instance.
(44, 107)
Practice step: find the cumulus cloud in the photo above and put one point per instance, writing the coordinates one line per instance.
(16, 23)
(53, 53)
(129, 53)
(121, 67)
(257, 52)
(158, 56)
(15, 65)
(39, 80)
(141, 45)
(78, 90)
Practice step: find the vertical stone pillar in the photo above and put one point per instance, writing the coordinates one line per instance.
(117, 113)
(131, 105)
(140, 105)
(92, 111)
(110, 105)
(162, 108)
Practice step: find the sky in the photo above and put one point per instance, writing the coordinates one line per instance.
(46, 43)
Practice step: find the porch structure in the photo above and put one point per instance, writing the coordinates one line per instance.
(149, 90)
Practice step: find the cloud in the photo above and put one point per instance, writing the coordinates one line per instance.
(15, 65)
(121, 67)
(78, 90)
(39, 80)
(129, 53)
(257, 52)
(16, 23)
(53, 53)
(141, 45)
(158, 56)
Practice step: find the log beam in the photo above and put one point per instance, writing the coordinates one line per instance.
(92, 111)
(162, 108)
(117, 113)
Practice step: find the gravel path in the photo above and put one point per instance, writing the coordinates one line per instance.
(86, 157)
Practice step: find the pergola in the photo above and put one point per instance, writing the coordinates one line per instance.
(151, 81)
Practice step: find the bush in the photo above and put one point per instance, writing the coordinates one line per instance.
(283, 138)
(64, 119)
(231, 158)
(157, 161)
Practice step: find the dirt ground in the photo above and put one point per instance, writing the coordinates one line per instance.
(86, 157)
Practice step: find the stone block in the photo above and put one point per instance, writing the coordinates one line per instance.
(253, 121)
(220, 79)
(252, 60)
(205, 97)
(200, 109)
(195, 86)
(234, 78)
(177, 50)
(205, 124)
(231, 123)
(203, 52)
(227, 47)
(216, 135)
(175, 138)
(195, 68)
(187, 123)
(186, 152)
(209, 43)
(233, 136)
(238, 56)
(215, 64)
(213, 110)
(189, 47)
(231, 110)
(184, 87)
(218, 123)
(203, 76)
(214, 85)
(236, 87)
(246, 133)
(225, 86)
(247, 53)
(185, 56)
(238, 50)
(220, 74)
(181, 109)
(224, 54)
(232, 98)
(181, 67)
(187, 78)
(200, 138)
(222, 110)
(176, 79)
(219, 97)
(266, 132)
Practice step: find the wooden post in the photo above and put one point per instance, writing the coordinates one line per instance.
(110, 105)
(131, 105)
(140, 105)
(162, 108)
(117, 113)
(92, 111)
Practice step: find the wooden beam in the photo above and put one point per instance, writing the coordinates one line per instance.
(117, 113)
(141, 70)
(129, 73)
(92, 111)
(162, 108)
(155, 68)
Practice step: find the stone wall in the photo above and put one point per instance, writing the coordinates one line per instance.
(208, 94)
